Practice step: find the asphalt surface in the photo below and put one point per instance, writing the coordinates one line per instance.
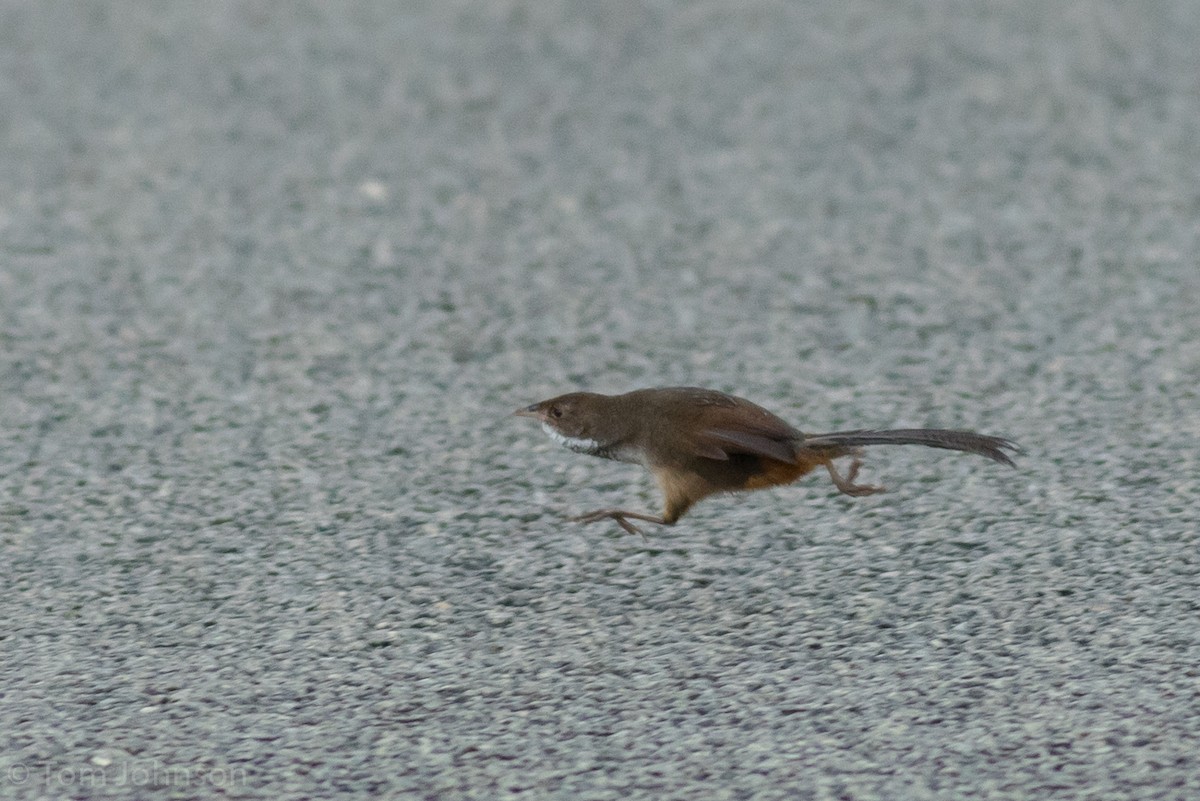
(273, 278)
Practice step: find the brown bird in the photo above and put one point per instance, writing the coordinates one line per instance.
(698, 442)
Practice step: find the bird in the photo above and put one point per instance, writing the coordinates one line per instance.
(700, 442)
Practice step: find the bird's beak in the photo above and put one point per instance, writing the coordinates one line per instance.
(529, 411)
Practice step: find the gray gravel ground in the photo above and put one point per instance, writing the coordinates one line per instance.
(272, 278)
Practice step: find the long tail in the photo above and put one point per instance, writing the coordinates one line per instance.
(992, 447)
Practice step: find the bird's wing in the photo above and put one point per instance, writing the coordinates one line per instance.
(724, 441)
(747, 428)
(725, 425)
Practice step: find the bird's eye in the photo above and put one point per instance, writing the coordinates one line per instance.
(555, 411)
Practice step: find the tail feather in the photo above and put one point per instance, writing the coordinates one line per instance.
(968, 441)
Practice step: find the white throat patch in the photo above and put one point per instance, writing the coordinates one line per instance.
(577, 444)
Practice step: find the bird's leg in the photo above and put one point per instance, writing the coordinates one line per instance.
(622, 518)
(846, 484)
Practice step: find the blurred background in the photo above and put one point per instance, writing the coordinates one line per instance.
(272, 278)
